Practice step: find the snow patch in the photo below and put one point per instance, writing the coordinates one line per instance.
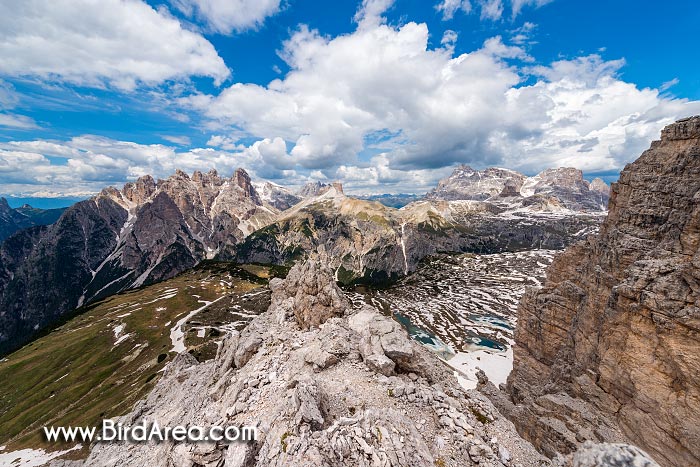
(31, 457)
(177, 336)
(118, 329)
(496, 364)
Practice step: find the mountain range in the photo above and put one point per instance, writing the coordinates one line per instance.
(15, 219)
(151, 230)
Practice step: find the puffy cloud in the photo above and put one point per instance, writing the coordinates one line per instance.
(121, 43)
(228, 16)
(371, 12)
(383, 90)
(450, 7)
(491, 9)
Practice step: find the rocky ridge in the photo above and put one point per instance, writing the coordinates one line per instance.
(367, 241)
(148, 231)
(325, 385)
(15, 219)
(563, 187)
(608, 349)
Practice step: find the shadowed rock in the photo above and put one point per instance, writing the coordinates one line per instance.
(608, 349)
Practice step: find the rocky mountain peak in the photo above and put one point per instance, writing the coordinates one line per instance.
(687, 128)
(180, 174)
(509, 189)
(139, 191)
(338, 186)
(112, 193)
(242, 179)
(275, 195)
(562, 176)
(598, 185)
(310, 189)
(612, 330)
(4, 206)
(465, 183)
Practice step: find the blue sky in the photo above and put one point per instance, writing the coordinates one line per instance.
(387, 96)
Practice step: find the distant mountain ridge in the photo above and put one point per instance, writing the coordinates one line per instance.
(14, 219)
(563, 185)
(148, 231)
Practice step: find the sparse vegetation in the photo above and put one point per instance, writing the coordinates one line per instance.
(480, 416)
(283, 440)
(76, 375)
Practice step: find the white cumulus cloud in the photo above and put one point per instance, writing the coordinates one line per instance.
(382, 88)
(120, 43)
(228, 16)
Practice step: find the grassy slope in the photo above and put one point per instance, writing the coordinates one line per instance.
(76, 375)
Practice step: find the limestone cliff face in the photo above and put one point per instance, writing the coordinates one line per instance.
(610, 346)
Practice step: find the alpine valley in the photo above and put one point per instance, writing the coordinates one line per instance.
(152, 230)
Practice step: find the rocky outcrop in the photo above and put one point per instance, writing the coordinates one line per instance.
(308, 295)
(607, 454)
(598, 185)
(608, 348)
(317, 398)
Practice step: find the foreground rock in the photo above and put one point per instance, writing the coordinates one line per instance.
(352, 390)
(609, 348)
(604, 454)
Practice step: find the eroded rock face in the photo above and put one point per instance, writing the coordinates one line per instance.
(317, 400)
(610, 346)
(120, 239)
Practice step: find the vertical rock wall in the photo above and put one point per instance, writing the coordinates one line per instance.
(610, 346)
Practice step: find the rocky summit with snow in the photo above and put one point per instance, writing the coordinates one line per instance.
(562, 187)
